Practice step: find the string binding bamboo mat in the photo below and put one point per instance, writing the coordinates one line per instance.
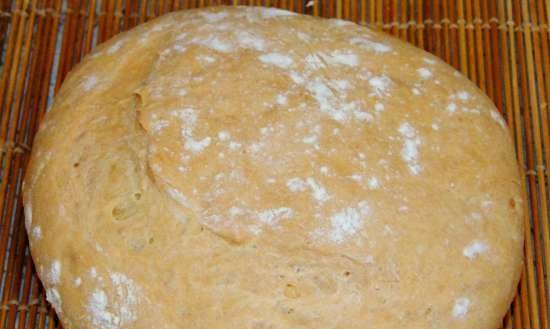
(501, 45)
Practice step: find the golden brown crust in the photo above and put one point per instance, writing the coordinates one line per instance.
(248, 168)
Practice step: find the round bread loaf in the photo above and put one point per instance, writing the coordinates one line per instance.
(248, 168)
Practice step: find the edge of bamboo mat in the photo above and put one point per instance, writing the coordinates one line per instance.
(503, 46)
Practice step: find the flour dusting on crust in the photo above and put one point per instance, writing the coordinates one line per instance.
(461, 307)
(54, 276)
(28, 215)
(348, 222)
(54, 298)
(474, 249)
(277, 59)
(411, 144)
(117, 309)
(272, 216)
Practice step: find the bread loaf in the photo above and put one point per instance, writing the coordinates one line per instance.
(250, 168)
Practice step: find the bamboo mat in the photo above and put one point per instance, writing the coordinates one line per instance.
(501, 45)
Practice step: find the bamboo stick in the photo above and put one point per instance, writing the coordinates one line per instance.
(437, 29)
(403, 31)
(363, 12)
(79, 35)
(117, 17)
(90, 27)
(101, 14)
(354, 17)
(470, 46)
(316, 10)
(66, 45)
(445, 21)
(108, 21)
(16, 261)
(420, 24)
(462, 47)
(53, 319)
(4, 21)
(394, 28)
(488, 50)
(35, 306)
(143, 11)
(496, 49)
(478, 45)
(545, 104)
(15, 24)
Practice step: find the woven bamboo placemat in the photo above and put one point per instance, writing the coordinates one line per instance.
(501, 45)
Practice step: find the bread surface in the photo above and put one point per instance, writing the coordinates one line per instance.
(249, 168)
